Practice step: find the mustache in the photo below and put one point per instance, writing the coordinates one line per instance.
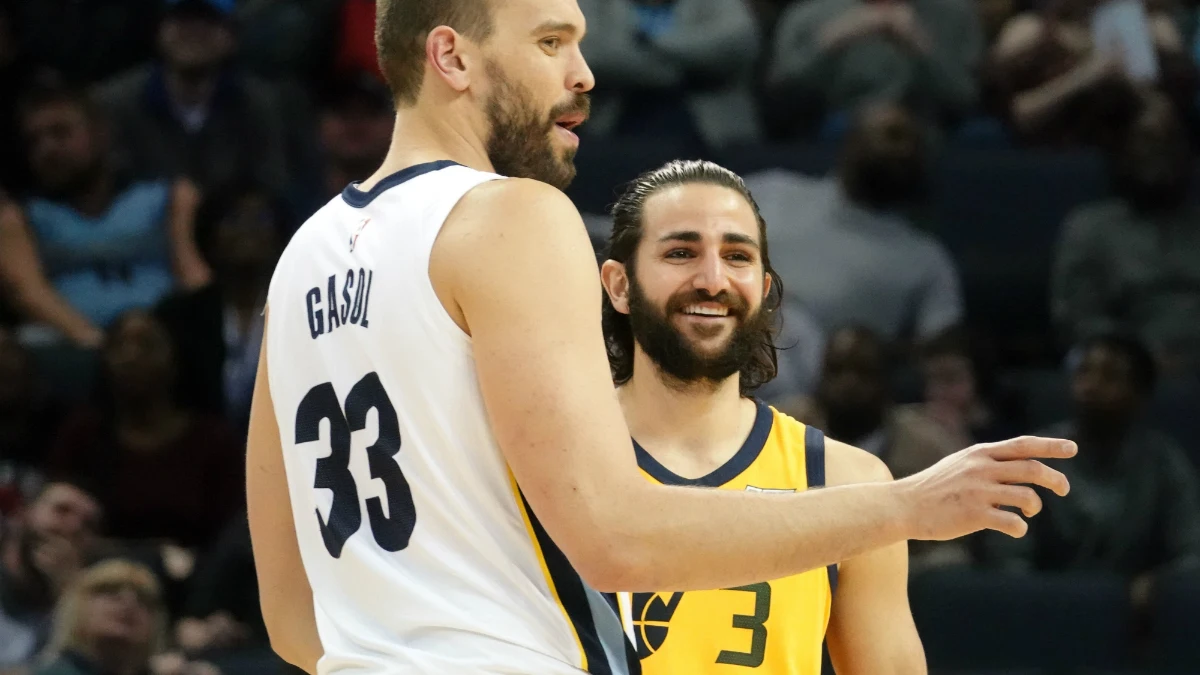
(580, 104)
(736, 304)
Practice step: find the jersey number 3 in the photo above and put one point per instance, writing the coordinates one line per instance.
(391, 531)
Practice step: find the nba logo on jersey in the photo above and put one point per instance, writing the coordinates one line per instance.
(354, 239)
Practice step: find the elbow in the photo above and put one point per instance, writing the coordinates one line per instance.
(607, 549)
(615, 569)
(286, 648)
(615, 558)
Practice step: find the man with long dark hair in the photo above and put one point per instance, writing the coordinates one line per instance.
(690, 314)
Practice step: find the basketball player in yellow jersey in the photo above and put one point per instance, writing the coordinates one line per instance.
(689, 318)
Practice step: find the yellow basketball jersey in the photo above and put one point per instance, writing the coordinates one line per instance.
(775, 627)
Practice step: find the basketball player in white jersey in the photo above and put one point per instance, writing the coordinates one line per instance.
(439, 476)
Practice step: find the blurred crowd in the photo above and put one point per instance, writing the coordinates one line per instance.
(156, 155)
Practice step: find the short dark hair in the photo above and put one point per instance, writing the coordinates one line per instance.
(1141, 362)
(627, 235)
(48, 89)
(401, 27)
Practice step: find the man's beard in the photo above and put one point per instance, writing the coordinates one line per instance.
(670, 350)
(520, 145)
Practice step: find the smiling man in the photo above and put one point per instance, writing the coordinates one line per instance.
(689, 319)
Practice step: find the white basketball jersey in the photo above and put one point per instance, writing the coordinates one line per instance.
(422, 555)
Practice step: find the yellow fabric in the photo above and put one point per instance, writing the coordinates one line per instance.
(775, 627)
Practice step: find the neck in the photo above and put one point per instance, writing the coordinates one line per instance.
(702, 419)
(115, 657)
(94, 198)
(419, 137)
(143, 412)
(191, 88)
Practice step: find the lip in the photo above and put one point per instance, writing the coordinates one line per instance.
(568, 135)
(570, 120)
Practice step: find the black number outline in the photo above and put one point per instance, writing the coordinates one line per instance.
(391, 532)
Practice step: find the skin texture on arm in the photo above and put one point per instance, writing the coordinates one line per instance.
(871, 629)
(515, 269)
(190, 268)
(284, 590)
(21, 271)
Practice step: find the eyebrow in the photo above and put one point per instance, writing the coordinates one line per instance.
(693, 237)
(556, 27)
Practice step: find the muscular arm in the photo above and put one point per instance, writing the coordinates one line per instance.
(515, 268)
(283, 587)
(871, 629)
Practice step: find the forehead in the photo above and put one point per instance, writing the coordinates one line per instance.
(62, 494)
(54, 113)
(711, 210)
(520, 17)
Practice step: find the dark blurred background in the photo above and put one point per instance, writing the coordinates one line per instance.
(983, 211)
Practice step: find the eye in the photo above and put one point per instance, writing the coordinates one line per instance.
(552, 43)
(740, 257)
(679, 254)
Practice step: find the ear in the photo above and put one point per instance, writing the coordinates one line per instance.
(445, 51)
(616, 284)
(766, 285)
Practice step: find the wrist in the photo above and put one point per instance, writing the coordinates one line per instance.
(900, 498)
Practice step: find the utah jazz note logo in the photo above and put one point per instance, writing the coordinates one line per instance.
(652, 614)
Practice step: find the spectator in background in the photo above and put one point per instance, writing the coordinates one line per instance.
(193, 113)
(41, 552)
(222, 610)
(92, 244)
(162, 472)
(113, 622)
(1132, 262)
(27, 421)
(852, 404)
(1135, 501)
(355, 128)
(679, 68)
(86, 41)
(1056, 87)
(219, 326)
(961, 393)
(835, 56)
(843, 244)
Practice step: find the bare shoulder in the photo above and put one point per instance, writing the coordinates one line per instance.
(511, 240)
(500, 224)
(846, 464)
(494, 206)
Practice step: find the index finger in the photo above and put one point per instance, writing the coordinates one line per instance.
(1032, 447)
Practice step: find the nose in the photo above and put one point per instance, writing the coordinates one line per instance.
(710, 275)
(581, 79)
